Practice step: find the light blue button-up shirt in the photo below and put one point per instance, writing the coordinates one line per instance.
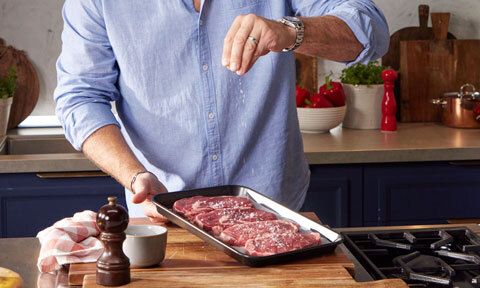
(189, 120)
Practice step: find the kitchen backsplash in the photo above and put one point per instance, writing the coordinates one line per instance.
(35, 26)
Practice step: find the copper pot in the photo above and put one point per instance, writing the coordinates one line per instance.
(458, 108)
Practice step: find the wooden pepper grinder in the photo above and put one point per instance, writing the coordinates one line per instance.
(113, 267)
(389, 105)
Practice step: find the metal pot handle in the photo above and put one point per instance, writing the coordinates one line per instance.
(438, 101)
(464, 92)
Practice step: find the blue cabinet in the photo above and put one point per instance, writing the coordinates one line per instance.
(335, 194)
(29, 204)
(393, 193)
(420, 193)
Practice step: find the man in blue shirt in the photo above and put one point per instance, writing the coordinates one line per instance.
(204, 90)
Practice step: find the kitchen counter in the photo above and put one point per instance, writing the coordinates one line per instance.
(413, 142)
(20, 255)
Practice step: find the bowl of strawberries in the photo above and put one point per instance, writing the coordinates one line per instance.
(322, 111)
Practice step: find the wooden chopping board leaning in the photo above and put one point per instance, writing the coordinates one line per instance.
(27, 85)
(392, 58)
(430, 68)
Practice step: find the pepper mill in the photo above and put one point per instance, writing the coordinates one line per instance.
(389, 105)
(113, 267)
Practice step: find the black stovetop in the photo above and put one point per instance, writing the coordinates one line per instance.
(438, 257)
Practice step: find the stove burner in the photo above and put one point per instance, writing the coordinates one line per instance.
(462, 256)
(433, 257)
(446, 239)
(416, 266)
(387, 243)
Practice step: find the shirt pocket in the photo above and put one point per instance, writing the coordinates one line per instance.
(238, 4)
(257, 7)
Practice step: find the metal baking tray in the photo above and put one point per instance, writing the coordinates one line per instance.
(330, 239)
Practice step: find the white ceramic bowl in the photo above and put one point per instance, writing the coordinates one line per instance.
(320, 120)
(145, 244)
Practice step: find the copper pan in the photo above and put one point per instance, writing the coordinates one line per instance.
(458, 108)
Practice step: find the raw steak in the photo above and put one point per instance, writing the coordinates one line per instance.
(183, 206)
(190, 207)
(238, 234)
(280, 243)
(217, 220)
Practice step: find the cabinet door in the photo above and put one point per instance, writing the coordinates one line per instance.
(29, 204)
(420, 193)
(335, 194)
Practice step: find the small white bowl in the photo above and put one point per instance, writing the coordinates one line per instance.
(145, 244)
(320, 120)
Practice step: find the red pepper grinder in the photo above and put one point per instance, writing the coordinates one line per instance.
(113, 267)
(389, 105)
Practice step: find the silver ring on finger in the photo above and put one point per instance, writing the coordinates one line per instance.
(253, 39)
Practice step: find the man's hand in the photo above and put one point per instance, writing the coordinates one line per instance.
(145, 187)
(240, 52)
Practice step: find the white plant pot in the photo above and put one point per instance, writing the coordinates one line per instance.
(4, 114)
(364, 106)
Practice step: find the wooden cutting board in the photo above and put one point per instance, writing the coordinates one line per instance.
(430, 68)
(308, 276)
(189, 253)
(392, 58)
(27, 85)
(421, 32)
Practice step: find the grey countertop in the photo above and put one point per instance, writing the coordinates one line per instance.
(46, 150)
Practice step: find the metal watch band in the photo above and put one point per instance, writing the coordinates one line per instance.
(135, 178)
(299, 28)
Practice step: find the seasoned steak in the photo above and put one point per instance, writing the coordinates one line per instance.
(280, 243)
(217, 220)
(190, 207)
(184, 206)
(238, 234)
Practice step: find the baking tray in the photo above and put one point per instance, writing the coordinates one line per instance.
(330, 238)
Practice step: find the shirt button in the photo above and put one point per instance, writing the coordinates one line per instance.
(200, 22)
(214, 157)
(205, 67)
(211, 115)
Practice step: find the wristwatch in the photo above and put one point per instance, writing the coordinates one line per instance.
(298, 25)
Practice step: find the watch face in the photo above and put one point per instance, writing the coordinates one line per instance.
(292, 19)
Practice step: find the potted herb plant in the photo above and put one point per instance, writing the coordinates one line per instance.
(7, 89)
(363, 86)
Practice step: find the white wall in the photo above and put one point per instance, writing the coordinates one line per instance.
(35, 26)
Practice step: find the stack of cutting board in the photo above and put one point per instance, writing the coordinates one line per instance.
(431, 62)
(190, 262)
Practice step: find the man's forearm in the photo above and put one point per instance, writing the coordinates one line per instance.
(330, 38)
(107, 148)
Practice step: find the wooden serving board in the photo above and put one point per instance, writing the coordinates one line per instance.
(421, 32)
(186, 252)
(27, 85)
(307, 276)
(392, 58)
(430, 68)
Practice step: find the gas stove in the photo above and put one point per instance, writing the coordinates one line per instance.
(439, 257)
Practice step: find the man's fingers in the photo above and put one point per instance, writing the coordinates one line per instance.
(238, 44)
(150, 210)
(228, 41)
(139, 197)
(252, 47)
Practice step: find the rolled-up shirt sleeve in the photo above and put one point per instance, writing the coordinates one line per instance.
(363, 17)
(87, 72)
